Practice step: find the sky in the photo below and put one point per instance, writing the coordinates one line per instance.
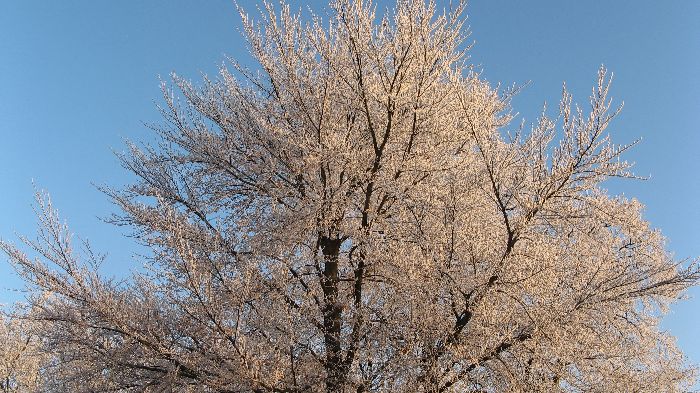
(78, 78)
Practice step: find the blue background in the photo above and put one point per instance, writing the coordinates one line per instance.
(78, 77)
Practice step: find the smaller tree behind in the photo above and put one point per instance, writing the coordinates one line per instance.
(21, 358)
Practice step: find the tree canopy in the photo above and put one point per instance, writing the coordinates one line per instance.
(359, 214)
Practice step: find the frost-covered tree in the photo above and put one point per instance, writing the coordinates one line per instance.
(21, 357)
(358, 214)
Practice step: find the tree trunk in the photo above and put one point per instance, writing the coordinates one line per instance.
(332, 315)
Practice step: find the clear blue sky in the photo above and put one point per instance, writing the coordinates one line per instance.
(77, 77)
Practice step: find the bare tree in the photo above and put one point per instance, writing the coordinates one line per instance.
(21, 357)
(358, 214)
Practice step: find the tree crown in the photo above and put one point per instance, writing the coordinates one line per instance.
(359, 214)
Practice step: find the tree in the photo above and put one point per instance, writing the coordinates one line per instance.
(359, 214)
(21, 358)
